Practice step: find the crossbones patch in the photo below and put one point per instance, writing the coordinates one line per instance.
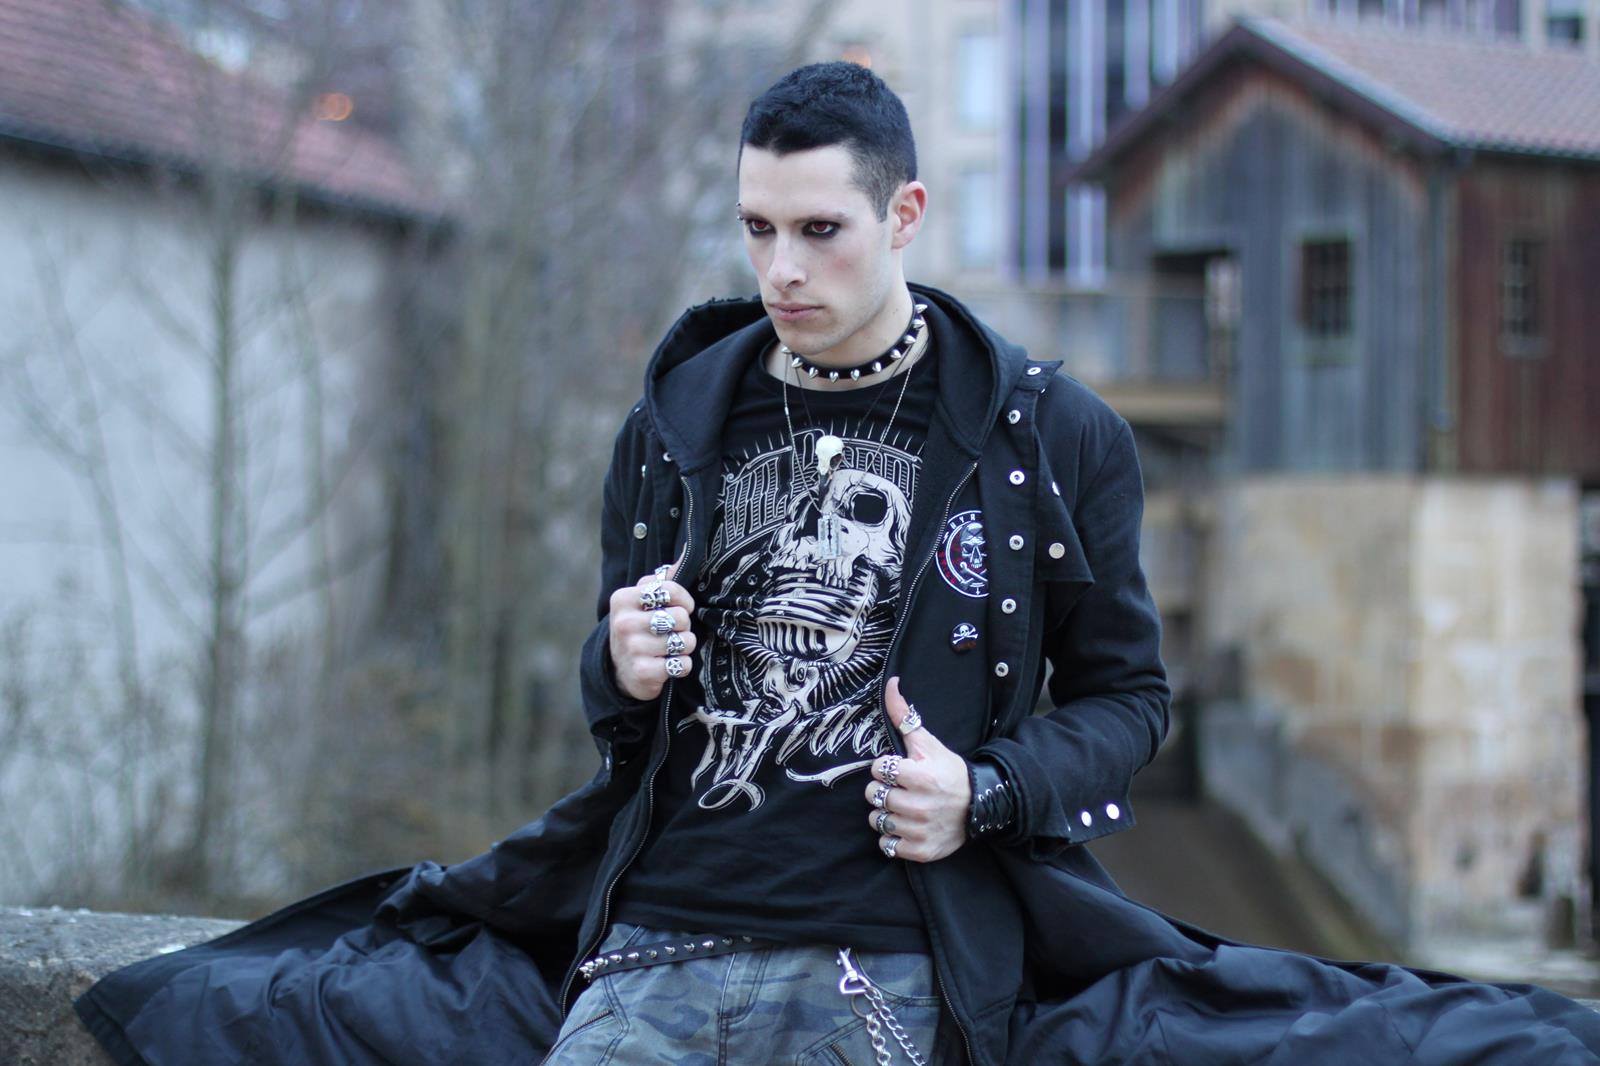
(962, 555)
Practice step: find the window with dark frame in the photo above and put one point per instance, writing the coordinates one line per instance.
(1325, 288)
(1519, 294)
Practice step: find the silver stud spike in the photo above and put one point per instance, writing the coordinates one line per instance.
(795, 361)
(911, 338)
(812, 371)
(833, 375)
(670, 950)
(855, 375)
(919, 308)
(708, 944)
(877, 366)
(917, 323)
(633, 956)
(652, 953)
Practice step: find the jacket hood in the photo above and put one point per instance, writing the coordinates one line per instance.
(692, 378)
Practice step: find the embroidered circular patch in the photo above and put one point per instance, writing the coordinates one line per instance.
(962, 555)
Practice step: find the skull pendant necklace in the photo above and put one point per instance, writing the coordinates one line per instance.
(829, 452)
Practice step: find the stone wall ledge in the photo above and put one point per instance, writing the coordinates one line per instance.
(49, 956)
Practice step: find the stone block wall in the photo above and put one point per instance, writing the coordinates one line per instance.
(1412, 644)
(50, 956)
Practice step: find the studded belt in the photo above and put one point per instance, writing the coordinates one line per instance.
(655, 954)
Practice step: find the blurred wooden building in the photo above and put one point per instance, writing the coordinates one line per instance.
(1367, 262)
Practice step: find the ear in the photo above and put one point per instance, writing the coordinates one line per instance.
(906, 210)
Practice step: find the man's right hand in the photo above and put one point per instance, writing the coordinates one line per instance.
(639, 653)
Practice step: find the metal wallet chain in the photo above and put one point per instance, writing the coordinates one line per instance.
(878, 1016)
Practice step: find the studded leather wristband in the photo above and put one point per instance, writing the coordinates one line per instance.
(994, 806)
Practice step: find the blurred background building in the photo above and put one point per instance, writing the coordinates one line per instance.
(1336, 260)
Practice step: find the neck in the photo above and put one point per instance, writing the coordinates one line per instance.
(897, 314)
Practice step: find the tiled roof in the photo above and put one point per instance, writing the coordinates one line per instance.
(1439, 90)
(103, 78)
(1465, 91)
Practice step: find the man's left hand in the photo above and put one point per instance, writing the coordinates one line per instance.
(927, 805)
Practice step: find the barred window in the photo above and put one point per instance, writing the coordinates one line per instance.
(1519, 293)
(1325, 288)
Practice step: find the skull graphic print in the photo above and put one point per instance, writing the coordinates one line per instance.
(798, 618)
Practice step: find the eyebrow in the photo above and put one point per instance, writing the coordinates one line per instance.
(745, 213)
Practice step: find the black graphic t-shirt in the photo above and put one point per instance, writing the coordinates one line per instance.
(760, 824)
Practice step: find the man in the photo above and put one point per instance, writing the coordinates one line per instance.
(871, 498)
(844, 536)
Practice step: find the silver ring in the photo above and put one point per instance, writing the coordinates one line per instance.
(913, 720)
(677, 666)
(891, 770)
(662, 571)
(889, 845)
(675, 643)
(883, 822)
(654, 598)
(880, 797)
(661, 623)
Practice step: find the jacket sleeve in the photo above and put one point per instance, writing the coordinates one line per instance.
(1072, 767)
(619, 723)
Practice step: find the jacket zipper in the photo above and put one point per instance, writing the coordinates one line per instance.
(883, 696)
(650, 782)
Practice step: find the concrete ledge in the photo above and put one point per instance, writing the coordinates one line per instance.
(49, 956)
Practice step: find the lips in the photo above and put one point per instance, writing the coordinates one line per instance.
(792, 312)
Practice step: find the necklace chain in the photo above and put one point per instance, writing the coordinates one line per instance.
(795, 464)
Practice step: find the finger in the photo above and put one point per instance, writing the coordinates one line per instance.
(677, 595)
(689, 642)
(907, 774)
(658, 667)
(920, 743)
(679, 616)
(879, 801)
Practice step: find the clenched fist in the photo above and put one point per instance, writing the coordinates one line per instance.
(650, 644)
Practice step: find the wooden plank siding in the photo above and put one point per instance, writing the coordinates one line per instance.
(1537, 410)
(1254, 165)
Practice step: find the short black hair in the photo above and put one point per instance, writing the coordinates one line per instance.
(838, 103)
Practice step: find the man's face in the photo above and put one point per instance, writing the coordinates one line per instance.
(825, 261)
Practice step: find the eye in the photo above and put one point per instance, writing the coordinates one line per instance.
(821, 229)
(755, 227)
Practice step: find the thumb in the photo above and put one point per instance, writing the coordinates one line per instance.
(919, 742)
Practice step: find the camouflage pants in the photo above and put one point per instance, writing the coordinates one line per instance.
(768, 1005)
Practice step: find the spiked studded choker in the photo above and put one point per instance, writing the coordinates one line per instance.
(888, 359)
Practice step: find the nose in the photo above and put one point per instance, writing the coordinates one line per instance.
(784, 270)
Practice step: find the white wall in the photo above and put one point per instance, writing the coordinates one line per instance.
(106, 409)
